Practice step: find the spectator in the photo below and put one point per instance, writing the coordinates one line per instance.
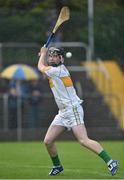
(15, 92)
(12, 102)
(34, 100)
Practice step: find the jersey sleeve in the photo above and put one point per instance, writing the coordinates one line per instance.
(52, 71)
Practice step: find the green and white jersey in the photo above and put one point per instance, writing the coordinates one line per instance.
(62, 87)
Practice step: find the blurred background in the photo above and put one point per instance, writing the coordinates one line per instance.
(94, 35)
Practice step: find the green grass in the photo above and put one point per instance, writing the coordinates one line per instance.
(29, 160)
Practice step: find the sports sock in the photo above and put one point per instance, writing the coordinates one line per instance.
(56, 161)
(105, 156)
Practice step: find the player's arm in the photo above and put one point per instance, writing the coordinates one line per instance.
(42, 66)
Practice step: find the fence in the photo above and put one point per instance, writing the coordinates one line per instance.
(27, 53)
(26, 120)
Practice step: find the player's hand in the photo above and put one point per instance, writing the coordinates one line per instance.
(43, 50)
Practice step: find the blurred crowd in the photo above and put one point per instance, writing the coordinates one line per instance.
(27, 93)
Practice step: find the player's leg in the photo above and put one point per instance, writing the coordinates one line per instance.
(81, 134)
(53, 132)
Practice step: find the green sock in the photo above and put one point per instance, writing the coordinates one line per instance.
(105, 156)
(55, 160)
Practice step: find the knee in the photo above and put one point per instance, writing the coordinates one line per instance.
(84, 142)
(47, 142)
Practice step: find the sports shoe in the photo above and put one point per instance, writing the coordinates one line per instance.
(56, 170)
(113, 167)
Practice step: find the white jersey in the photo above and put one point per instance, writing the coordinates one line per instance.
(62, 87)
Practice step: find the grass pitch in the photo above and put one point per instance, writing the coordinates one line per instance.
(29, 160)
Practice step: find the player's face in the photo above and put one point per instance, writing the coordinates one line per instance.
(53, 59)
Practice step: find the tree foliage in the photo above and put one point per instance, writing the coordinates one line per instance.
(31, 21)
